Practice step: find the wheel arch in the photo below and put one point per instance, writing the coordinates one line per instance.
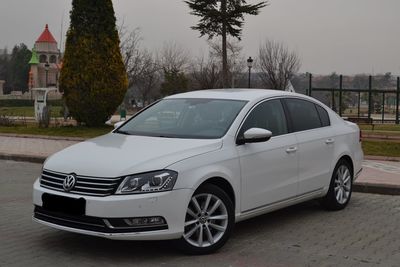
(349, 160)
(224, 184)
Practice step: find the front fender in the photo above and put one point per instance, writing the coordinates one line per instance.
(195, 171)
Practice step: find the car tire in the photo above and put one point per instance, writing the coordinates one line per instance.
(340, 188)
(209, 221)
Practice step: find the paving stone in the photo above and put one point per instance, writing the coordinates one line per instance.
(366, 233)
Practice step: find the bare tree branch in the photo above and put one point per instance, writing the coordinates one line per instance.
(205, 73)
(147, 82)
(277, 65)
(236, 62)
(173, 58)
(141, 66)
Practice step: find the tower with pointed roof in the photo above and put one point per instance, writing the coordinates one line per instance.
(45, 62)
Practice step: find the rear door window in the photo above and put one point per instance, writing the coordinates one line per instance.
(304, 114)
(324, 116)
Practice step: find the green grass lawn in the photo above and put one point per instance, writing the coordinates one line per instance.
(381, 148)
(383, 133)
(66, 131)
(381, 127)
(384, 129)
(27, 111)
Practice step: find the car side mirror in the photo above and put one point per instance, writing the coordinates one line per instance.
(118, 124)
(255, 135)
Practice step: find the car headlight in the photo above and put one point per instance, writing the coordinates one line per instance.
(150, 182)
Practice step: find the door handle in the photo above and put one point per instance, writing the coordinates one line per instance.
(330, 141)
(291, 150)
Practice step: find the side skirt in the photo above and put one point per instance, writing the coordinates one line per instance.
(280, 204)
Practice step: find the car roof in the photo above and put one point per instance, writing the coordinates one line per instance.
(234, 94)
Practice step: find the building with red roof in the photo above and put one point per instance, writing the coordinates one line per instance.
(45, 62)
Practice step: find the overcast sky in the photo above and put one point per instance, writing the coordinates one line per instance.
(346, 36)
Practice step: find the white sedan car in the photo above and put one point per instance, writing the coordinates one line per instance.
(191, 165)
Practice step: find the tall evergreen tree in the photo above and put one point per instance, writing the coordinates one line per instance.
(93, 76)
(4, 64)
(174, 82)
(222, 18)
(14, 68)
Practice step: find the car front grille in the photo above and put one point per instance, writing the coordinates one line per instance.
(85, 185)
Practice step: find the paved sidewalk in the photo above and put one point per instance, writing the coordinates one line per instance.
(30, 149)
(378, 176)
(365, 234)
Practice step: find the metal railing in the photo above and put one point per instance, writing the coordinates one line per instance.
(341, 90)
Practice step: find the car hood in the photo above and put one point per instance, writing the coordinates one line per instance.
(115, 155)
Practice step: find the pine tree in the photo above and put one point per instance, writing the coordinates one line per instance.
(222, 18)
(174, 82)
(93, 77)
(15, 68)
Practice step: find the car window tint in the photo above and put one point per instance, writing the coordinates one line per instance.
(268, 115)
(304, 114)
(323, 114)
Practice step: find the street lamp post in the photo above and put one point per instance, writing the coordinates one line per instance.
(250, 65)
(46, 68)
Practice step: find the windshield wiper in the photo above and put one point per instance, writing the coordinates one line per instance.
(163, 136)
(122, 132)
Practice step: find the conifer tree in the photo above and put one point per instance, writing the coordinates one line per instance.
(93, 76)
(222, 18)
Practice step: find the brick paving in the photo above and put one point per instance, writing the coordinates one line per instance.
(367, 233)
(383, 173)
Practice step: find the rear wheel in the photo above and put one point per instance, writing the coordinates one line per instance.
(340, 188)
(209, 221)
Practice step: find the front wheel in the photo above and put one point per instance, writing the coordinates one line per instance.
(340, 188)
(209, 221)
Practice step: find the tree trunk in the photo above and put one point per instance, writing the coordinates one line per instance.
(224, 50)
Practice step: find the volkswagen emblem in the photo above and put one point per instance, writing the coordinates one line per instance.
(69, 182)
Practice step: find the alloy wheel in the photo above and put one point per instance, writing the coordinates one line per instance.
(342, 184)
(206, 220)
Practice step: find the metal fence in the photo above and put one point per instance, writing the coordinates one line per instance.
(338, 93)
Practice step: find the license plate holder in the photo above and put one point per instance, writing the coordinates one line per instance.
(65, 205)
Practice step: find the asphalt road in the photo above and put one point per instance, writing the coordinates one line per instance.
(367, 233)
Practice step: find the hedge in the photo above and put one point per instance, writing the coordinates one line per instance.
(26, 102)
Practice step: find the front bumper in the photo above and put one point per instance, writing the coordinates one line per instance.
(170, 205)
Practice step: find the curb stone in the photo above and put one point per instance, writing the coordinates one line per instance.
(382, 189)
(24, 158)
(383, 158)
(66, 138)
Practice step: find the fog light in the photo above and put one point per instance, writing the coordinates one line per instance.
(145, 221)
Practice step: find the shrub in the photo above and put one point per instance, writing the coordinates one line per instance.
(93, 76)
(26, 103)
(16, 103)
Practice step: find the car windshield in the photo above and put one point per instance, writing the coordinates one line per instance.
(185, 118)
